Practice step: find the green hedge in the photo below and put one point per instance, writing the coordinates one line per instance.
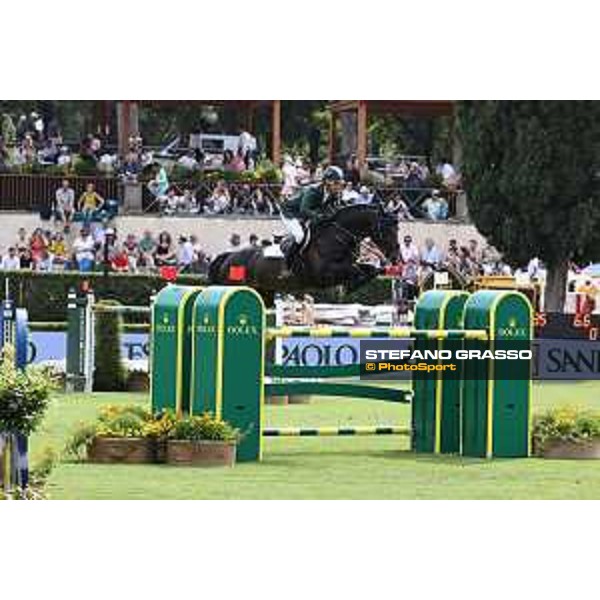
(45, 294)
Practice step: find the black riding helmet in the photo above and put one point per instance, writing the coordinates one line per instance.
(333, 174)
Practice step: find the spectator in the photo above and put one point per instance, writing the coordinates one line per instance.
(447, 172)
(435, 206)
(64, 157)
(147, 246)
(364, 196)
(171, 202)
(131, 247)
(160, 184)
(58, 249)
(220, 200)
(37, 245)
(262, 204)
(349, 194)
(65, 203)
(238, 164)
(253, 241)
(398, 206)
(84, 250)
(188, 161)
(186, 255)
(11, 261)
(414, 179)
(187, 202)
(45, 262)
(21, 241)
(288, 172)
(235, 241)
(131, 167)
(453, 254)
(409, 251)
(25, 258)
(431, 255)
(119, 260)
(90, 202)
(474, 251)
(164, 255)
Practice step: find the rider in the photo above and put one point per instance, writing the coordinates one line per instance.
(311, 203)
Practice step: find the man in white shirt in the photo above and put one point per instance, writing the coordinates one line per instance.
(409, 251)
(11, 261)
(186, 252)
(65, 202)
(84, 250)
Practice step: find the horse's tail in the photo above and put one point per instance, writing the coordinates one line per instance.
(214, 269)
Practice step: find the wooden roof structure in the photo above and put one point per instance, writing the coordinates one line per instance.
(363, 108)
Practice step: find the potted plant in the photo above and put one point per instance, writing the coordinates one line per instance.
(24, 395)
(120, 434)
(202, 441)
(24, 398)
(567, 432)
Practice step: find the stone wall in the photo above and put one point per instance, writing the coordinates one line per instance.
(214, 233)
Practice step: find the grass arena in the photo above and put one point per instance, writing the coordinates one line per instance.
(339, 445)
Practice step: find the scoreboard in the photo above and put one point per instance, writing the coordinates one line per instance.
(561, 326)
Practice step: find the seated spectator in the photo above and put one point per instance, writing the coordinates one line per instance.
(452, 255)
(37, 245)
(164, 254)
(131, 167)
(107, 163)
(408, 250)
(349, 194)
(188, 161)
(238, 163)
(90, 202)
(415, 177)
(186, 253)
(398, 205)
(10, 262)
(65, 203)
(475, 251)
(262, 204)
(159, 186)
(170, 205)
(25, 258)
(290, 176)
(84, 250)
(227, 159)
(119, 260)
(147, 246)
(187, 202)
(435, 206)
(21, 241)
(64, 157)
(45, 262)
(58, 249)
(364, 196)
(431, 256)
(219, 201)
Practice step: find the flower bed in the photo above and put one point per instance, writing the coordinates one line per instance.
(131, 434)
(567, 433)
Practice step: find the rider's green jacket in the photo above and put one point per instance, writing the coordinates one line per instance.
(308, 203)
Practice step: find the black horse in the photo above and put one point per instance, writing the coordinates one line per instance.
(329, 258)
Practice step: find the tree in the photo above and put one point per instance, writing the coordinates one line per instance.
(531, 171)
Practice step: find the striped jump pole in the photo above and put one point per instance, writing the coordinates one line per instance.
(390, 332)
(335, 431)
